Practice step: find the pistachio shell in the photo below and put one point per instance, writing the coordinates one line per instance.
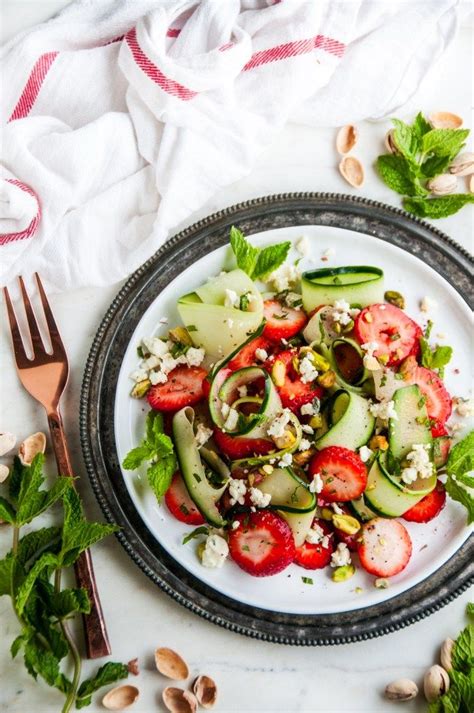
(31, 446)
(445, 120)
(401, 690)
(120, 697)
(7, 442)
(435, 683)
(443, 185)
(4, 472)
(471, 184)
(389, 142)
(170, 664)
(463, 165)
(178, 701)
(346, 138)
(446, 653)
(352, 170)
(205, 691)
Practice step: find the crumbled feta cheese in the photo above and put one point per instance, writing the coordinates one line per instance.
(370, 361)
(195, 356)
(203, 434)
(304, 444)
(464, 407)
(158, 377)
(384, 410)
(230, 424)
(337, 509)
(235, 525)
(225, 408)
(139, 375)
(155, 346)
(420, 464)
(307, 410)
(286, 460)
(261, 354)
(215, 551)
(428, 304)
(307, 429)
(237, 491)
(302, 245)
(277, 428)
(232, 299)
(293, 300)
(342, 312)
(230, 323)
(341, 556)
(365, 453)
(151, 362)
(315, 534)
(261, 500)
(284, 277)
(316, 484)
(242, 391)
(307, 371)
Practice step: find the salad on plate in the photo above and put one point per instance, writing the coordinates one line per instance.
(299, 419)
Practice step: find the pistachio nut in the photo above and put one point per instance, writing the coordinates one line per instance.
(178, 701)
(7, 442)
(140, 389)
(284, 441)
(443, 185)
(170, 664)
(327, 380)
(316, 421)
(31, 446)
(278, 373)
(471, 184)
(401, 690)
(378, 443)
(435, 683)
(463, 165)
(352, 170)
(120, 697)
(445, 120)
(326, 513)
(303, 457)
(390, 144)
(346, 523)
(446, 653)
(4, 472)
(180, 335)
(205, 691)
(342, 574)
(346, 138)
(395, 298)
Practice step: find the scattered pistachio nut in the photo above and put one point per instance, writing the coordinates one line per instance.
(180, 335)
(389, 142)
(327, 380)
(435, 683)
(346, 138)
(463, 165)
(446, 653)
(342, 574)
(170, 664)
(378, 443)
(316, 421)
(395, 298)
(381, 583)
(348, 524)
(443, 184)
(120, 697)
(352, 170)
(205, 691)
(401, 690)
(7, 442)
(31, 446)
(140, 389)
(177, 700)
(278, 373)
(302, 458)
(284, 441)
(445, 120)
(4, 472)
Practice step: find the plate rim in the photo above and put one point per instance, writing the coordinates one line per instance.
(452, 578)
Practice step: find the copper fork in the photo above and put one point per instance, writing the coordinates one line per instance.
(45, 377)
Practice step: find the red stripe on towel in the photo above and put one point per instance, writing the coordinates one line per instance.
(33, 85)
(293, 49)
(31, 229)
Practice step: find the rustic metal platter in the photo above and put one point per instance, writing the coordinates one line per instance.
(100, 431)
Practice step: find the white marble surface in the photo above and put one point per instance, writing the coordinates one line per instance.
(252, 676)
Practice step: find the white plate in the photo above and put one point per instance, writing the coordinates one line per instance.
(433, 543)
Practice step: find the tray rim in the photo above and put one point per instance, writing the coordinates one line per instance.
(461, 568)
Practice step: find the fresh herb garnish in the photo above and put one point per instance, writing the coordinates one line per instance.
(157, 449)
(423, 153)
(191, 328)
(258, 263)
(244, 302)
(459, 468)
(307, 580)
(201, 530)
(436, 358)
(31, 575)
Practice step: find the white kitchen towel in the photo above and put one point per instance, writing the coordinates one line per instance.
(122, 117)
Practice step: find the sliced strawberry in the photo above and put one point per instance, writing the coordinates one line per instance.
(438, 429)
(263, 543)
(438, 401)
(183, 388)
(240, 447)
(395, 333)
(282, 322)
(246, 356)
(441, 447)
(428, 508)
(352, 541)
(342, 471)
(293, 392)
(386, 547)
(179, 502)
(315, 556)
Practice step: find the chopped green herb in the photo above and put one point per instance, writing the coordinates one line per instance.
(307, 580)
(140, 353)
(246, 548)
(184, 509)
(197, 532)
(197, 477)
(191, 328)
(244, 302)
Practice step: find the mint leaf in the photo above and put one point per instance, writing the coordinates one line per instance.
(6, 573)
(405, 141)
(245, 254)
(201, 530)
(109, 673)
(32, 500)
(34, 544)
(154, 426)
(396, 173)
(7, 511)
(270, 259)
(419, 128)
(436, 358)
(40, 661)
(19, 642)
(69, 601)
(15, 479)
(78, 534)
(461, 456)
(470, 609)
(437, 207)
(47, 561)
(435, 165)
(136, 456)
(160, 475)
(459, 492)
(463, 651)
(444, 142)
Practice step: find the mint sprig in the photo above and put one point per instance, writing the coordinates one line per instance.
(460, 472)
(30, 574)
(422, 154)
(258, 263)
(434, 358)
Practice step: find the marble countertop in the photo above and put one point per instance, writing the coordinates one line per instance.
(251, 675)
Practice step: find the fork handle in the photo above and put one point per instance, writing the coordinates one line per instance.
(95, 632)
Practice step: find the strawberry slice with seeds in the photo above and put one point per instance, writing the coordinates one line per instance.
(179, 503)
(316, 555)
(396, 335)
(294, 393)
(282, 322)
(262, 544)
(386, 547)
(438, 401)
(342, 471)
(429, 507)
(183, 388)
(235, 447)
(246, 356)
